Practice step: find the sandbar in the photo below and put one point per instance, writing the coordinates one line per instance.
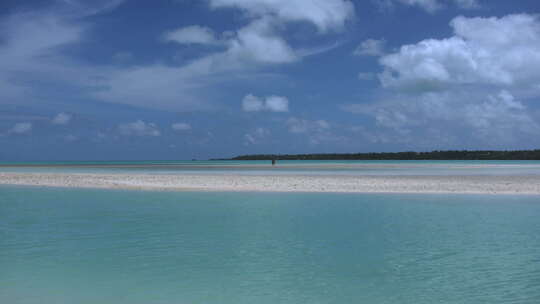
(488, 184)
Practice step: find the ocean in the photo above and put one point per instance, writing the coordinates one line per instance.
(113, 246)
(286, 167)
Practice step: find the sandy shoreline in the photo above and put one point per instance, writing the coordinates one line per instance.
(527, 185)
(281, 166)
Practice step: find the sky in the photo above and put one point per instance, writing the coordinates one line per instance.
(199, 79)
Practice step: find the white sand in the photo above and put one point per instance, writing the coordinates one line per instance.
(284, 183)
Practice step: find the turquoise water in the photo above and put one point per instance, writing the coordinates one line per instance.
(96, 246)
(292, 167)
(258, 162)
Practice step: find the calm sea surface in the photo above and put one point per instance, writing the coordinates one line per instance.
(303, 167)
(96, 246)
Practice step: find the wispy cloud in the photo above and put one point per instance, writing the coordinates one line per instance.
(431, 6)
(194, 34)
(371, 47)
(21, 128)
(139, 128)
(181, 126)
(273, 103)
(61, 119)
(256, 136)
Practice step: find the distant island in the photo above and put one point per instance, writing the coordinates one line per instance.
(433, 155)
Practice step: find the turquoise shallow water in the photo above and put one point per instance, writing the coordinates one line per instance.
(260, 162)
(95, 246)
(293, 167)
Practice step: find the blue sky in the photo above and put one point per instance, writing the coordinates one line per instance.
(183, 79)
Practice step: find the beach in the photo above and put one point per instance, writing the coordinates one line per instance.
(248, 232)
(465, 184)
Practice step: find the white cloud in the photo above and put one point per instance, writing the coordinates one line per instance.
(89, 7)
(192, 35)
(154, 86)
(483, 51)
(30, 35)
(471, 117)
(30, 41)
(296, 125)
(501, 114)
(161, 86)
(21, 128)
(428, 5)
(62, 119)
(277, 104)
(139, 128)
(33, 44)
(258, 42)
(252, 103)
(370, 47)
(324, 14)
(256, 136)
(181, 126)
(432, 6)
(470, 88)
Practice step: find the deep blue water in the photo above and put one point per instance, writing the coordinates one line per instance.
(97, 246)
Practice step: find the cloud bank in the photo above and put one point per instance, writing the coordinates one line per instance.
(474, 82)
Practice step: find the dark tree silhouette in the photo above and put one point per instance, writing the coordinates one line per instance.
(433, 155)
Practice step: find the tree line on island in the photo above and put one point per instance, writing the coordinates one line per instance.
(433, 155)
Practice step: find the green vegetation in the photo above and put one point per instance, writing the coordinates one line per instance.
(434, 155)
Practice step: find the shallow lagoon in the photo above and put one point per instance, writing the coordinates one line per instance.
(96, 246)
(286, 167)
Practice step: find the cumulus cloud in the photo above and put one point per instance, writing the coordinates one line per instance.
(370, 47)
(139, 128)
(252, 103)
(181, 126)
(192, 35)
(62, 119)
(277, 104)
(490, 51)
(474, 83)
(259, 42)
(21, 128)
